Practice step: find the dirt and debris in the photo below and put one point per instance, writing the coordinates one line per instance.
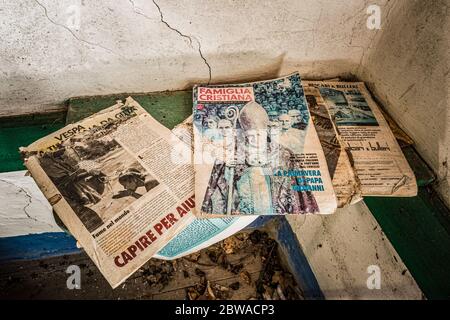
(273, 281)
(235, 285)
(158, 275)
(246, 277)
(245, 266)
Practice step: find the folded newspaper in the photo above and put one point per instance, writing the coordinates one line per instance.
(345, 182)
(110, 180)
(377, 157)
(256, 151)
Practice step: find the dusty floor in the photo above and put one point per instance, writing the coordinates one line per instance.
(244, 266)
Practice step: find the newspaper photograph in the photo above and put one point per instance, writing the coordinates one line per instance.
(256, 151)
(111, 181)
(377, 157)
(345, 182)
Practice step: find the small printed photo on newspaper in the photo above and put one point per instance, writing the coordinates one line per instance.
(97, 177)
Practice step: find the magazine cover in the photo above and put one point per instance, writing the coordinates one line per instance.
(377, 157)
(256, 151)
(111, 181)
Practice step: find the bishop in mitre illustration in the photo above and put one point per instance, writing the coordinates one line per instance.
(246, 184)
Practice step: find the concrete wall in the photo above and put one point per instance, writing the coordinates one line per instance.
(407, 68)
(134, 46)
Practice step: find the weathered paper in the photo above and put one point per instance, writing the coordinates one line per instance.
(377, 158)
(256, 151)
(345, 182)
(115, 181)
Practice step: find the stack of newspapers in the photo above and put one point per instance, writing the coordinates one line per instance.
(124, 184)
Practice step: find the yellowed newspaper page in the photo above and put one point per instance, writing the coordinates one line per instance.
(345, 182)
(377, 157)
(116, 183)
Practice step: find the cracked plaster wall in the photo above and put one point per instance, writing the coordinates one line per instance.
(139, 46)
(24, 209)
(407, 68)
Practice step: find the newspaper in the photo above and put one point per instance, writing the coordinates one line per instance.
(377, 158)
(256, 151)
(345, 182)
(111, 180)
(200, 233)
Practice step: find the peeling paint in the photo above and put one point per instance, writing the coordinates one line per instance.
(24, 209)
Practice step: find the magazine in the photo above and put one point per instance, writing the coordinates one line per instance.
(111, 180)
(345, 182)
(377, 157)
(256, 151)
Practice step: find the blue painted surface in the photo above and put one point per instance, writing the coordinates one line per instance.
(297, 260)
(290, 248)
(36, 246)
(49, 244)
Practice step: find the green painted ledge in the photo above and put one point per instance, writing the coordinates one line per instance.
(169, 108)
(418, 227)
(419, 230)
(20, 131)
